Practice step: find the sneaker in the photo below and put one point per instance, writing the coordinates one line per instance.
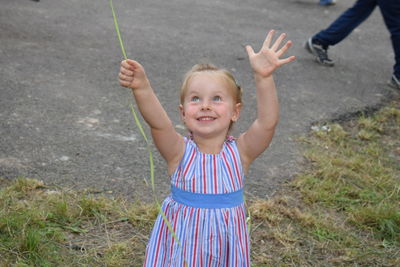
(395, 82)
(320, 53)
(327, 2)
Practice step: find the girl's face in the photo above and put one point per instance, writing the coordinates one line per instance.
(209, 105)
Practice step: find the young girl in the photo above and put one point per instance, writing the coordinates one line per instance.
(206, 209)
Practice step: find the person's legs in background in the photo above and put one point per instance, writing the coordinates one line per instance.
(390, 10)
(346, 23)
(339, 29)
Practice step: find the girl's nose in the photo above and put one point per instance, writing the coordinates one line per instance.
(205, 105)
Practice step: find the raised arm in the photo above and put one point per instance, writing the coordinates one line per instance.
(259, 135)
(167, 140)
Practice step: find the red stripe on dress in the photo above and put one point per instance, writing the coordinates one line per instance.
(201, 255)
(193, 181)
(166, 237)
(184, 253)
(236, 257)
(204, 174)
(210, 251)
(242, 234)
(173, 239)
(158, 243)
(238, 228)
(236, 164)
(195, 238)
(178, 176)
(187, 168)
(220, 249)
(227, 254)
(246, 237)
(147, 257)
(215, 175)
(226, 217)
(230, 171)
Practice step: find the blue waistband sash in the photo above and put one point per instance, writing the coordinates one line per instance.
(207, 201)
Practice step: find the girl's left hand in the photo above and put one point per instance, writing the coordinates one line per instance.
(267, 60)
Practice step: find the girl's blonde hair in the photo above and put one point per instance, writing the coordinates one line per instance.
(209, 68)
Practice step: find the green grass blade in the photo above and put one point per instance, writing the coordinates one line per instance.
(139, 125)
(117, 30)
(151, 161)
(248, 218)
(169, 226)
(151, 169)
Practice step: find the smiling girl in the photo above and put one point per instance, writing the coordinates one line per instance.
(207, 169)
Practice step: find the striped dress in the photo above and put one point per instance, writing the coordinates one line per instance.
(207, 237)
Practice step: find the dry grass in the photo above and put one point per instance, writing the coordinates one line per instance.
(344, 209)
(42, 226)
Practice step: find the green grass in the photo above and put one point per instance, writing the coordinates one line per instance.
(40, 226)
(342, 210)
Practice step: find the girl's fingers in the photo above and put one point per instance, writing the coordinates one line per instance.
(249, 50)
(126, 72)
(132, 62)
(125, 64)
(278, 42)
(283, 50)
(268, 40)
(134, 65)
(123, 77)
(124, 83)
(286, 60)
(129, 64)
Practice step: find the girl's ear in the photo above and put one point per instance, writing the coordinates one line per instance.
(236, 112)
(182, 112)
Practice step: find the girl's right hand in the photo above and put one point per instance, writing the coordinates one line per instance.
(132, 75)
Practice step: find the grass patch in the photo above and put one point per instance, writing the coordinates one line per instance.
(41, 226)
(343, 210)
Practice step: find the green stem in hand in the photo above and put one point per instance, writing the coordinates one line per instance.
(117, 30)
(139, 125)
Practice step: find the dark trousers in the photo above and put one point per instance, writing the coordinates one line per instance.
(355, 15)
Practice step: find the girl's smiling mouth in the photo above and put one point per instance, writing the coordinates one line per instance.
(205, 118)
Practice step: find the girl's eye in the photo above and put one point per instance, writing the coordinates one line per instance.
(217, 98)
(195, 99)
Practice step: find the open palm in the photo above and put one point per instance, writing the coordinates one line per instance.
(268, 59)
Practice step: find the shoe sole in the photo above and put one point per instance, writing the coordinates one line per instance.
(332, 3)
(393, 84)
(310, 49)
